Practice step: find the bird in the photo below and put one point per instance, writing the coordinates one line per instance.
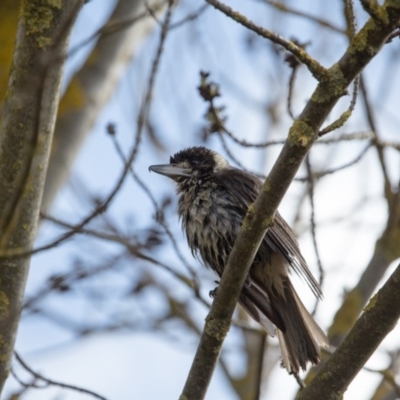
(213, 200)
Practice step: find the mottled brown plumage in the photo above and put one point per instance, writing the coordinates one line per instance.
(213, 200)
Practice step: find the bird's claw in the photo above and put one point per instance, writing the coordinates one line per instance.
(213, 292)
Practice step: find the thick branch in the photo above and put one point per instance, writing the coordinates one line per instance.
(386, 251)
(379, 318)
(364, 46)
(29, 115)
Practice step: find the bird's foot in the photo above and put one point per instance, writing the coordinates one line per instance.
(213, 292)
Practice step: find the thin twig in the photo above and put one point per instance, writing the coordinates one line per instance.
(190, 17)
(56, 383)
(283, 7)
(160, 217)
(294, 64)
(234, 159)
(25, 385)
(143, 114)
(317, 70)
(379, 148)
(290, 93)
(115, 27)
(313, 227)
(260, 366)
(321, 174)
(352, 28)
(133, 249)
(58, 281)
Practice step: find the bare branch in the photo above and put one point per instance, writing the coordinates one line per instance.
(385, 253)
(23, 251)
(51, 382)
(379, 147)
(92, 86)
(291, 11)
(318, 71)
(379, 318)
(364, 46)
(313, 225)
(352, 27)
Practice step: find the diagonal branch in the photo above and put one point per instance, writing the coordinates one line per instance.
(363, 47)
(285, 8)
(379, 318)
(386, 251)
(315, 68)
(52, 382)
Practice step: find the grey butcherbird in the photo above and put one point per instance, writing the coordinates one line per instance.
(213, 200)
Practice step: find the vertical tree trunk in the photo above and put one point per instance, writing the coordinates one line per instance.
(28, 122)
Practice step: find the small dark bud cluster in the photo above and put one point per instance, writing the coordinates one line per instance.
(209, 91)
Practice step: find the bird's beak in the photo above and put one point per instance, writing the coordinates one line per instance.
(170, 170)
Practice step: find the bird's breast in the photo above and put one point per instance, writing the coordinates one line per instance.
(211, 225)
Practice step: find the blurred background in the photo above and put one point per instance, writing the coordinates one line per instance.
(116, 305)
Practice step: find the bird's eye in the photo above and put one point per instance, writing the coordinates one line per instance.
(195, 162)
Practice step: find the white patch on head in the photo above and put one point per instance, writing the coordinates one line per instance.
(220, 162)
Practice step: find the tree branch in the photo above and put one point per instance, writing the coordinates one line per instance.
(52, 382)
(386, 251)
(363, 47)
(318, 71)
(379, 318)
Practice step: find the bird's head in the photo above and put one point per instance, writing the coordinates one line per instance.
(194, 164)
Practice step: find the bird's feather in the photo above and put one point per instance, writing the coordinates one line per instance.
(213, 200)
(244, 188)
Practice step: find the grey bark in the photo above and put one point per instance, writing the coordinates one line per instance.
(29, 116)
(304, 131)
(379, 318)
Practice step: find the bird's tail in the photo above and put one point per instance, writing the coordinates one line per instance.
(301, 338)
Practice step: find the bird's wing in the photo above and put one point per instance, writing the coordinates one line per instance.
(245, 187)
(280, 237)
